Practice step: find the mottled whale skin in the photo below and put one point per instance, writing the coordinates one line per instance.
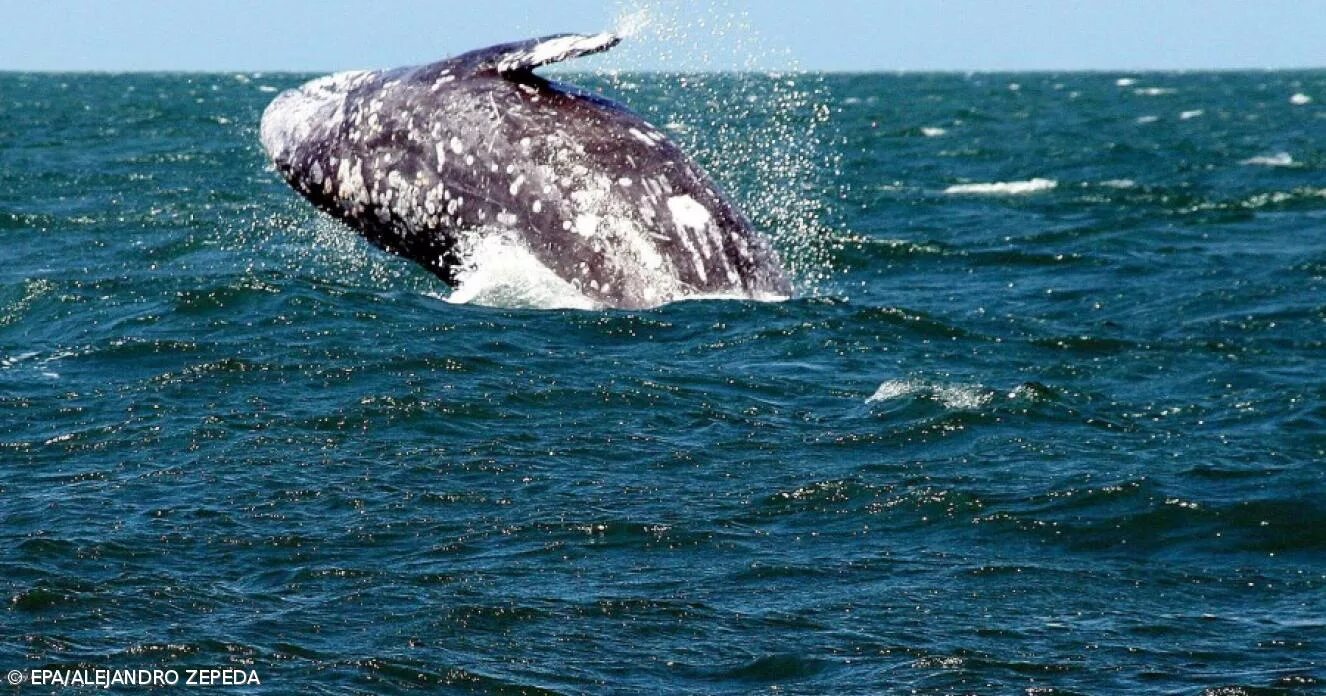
(429, 161)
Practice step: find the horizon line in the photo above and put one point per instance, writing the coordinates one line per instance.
(664, 71)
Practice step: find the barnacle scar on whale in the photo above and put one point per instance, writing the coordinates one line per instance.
(436, 161)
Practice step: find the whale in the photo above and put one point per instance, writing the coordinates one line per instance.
(439, 161)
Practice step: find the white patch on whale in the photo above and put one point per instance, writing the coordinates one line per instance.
(691, 219)
(687, 212)
(635, 133)
(587, 224)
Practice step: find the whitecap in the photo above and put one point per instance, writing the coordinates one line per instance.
(1154, 91)
(1125, 82)
(932, 131)
(1277, 197)
(1299, 99)
(1279, 159)
(1118, 183)
(1003, 188)
(1185, 115)
(955, 396)
(1147, 119)
(12, 360)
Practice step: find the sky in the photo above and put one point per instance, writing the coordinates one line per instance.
(838, 35)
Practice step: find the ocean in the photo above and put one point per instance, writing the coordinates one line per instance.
(1046, 416)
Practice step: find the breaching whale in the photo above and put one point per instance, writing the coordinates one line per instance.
(434, 161)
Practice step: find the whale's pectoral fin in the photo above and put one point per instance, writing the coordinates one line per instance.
(525, 56)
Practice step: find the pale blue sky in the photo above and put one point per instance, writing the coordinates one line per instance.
(322, 35)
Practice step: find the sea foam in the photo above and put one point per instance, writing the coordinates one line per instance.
(955, 396)
(1003, 188)
(1279, 159)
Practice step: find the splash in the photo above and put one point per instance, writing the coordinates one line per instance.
(629, 23)
(756, 130)
(285, 236)
(500, 271)
(757, 127)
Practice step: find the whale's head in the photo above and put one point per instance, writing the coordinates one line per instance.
(299, 115)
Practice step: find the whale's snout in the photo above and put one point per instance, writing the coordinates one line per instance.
(295, 115)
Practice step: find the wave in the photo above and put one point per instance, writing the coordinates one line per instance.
(954, 396)
(1003, 188)
(1279, 159)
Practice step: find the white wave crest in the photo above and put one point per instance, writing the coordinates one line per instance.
(1003, 188)
(955, 396)
(1279, 159)
(1299, 99)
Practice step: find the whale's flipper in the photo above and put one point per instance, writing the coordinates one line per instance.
(524, 56)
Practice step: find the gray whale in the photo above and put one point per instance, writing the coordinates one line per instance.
(432, 161)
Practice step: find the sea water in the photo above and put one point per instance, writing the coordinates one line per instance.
(1047, 414)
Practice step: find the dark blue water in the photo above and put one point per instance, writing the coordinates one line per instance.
(1061, 435)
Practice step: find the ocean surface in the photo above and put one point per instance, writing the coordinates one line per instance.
(1047, 416)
